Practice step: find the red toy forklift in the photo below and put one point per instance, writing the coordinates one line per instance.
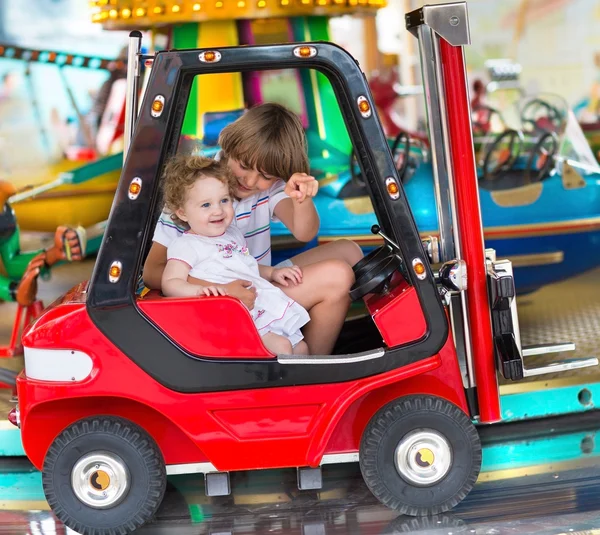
(120, 391)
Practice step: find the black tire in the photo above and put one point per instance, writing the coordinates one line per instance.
(119, 439)
(413, 416)
(428, 525)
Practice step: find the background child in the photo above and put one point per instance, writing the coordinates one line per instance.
(197, 190)
(265, 149)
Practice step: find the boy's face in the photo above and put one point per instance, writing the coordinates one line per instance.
(207, 208)
(248, 181)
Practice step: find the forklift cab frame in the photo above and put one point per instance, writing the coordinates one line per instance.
(213, 404)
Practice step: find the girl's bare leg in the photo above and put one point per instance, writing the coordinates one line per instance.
(324, 294)
(277, 344)
(345, 250)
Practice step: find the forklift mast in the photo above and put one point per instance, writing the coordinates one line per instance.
(442, 31)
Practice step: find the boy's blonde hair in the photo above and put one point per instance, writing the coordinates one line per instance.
(180, 174)
(268, 138)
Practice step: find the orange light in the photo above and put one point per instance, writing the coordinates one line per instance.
(140, 12)
(210, 56)
(241, 3)
(285, 2)
(134, 188)
(392, 188)
(304, 52)
(419, 268)
(126, 13)
(113, 13)
(364, 106)
(115, 272)
(157, 106)
(219, 4)
(196, 7)
(261, 3)
(157, 10)
(176, 8)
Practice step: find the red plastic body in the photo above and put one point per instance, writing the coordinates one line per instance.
(202, 337)
(234, 430)
(401, 301)
(470, 228)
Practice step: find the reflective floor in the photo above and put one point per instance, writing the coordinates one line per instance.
(542, 478)
(268, 502)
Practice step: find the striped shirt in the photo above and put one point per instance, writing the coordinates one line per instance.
(253, 217)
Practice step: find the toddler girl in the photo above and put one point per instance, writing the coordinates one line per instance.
(198, 192)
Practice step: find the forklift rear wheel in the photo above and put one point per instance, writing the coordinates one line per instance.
(104, 476)
(420, 455)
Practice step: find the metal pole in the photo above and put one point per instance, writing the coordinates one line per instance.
(133, 77)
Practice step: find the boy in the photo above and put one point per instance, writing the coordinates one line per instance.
(265, 149)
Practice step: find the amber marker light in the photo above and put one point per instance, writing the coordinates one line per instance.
(114, 273)
(134, 188)
(261, 4)
(305, 52)
(392, 188)
(176, 8)
(140, 12)
(196, 7)
(126, 13)
(419, 268)
(157, 10)
(210, 56)
(363, 106)
(158, 105)
(113, 13)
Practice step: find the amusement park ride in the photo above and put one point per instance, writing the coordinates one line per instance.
(211, 399)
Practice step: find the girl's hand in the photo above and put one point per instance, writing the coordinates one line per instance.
(283, 275)
(300, 186)
(212, 290)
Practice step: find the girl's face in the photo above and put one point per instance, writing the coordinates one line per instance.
(207, 208)
(249, 181)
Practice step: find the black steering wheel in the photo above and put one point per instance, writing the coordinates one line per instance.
(502, 154)
(551, 120)
(401, 168)
(542, 155)
(373, 272)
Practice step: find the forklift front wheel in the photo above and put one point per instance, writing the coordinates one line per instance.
(104, 476)
(420, 455)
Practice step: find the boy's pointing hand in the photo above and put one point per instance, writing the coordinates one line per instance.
(300, 186)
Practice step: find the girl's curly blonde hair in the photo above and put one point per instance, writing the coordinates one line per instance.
(180, 174)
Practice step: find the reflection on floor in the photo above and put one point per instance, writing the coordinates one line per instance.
(560, 495)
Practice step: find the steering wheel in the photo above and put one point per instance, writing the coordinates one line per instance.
(374, 270)
(541, 158)
(402, 136)
(482, 119)
(552, 120)
(505, 155)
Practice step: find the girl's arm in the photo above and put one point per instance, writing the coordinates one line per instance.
(266, 272)
(298, 213)
(174, 281)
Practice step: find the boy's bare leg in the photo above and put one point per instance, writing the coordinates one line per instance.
(277, 344)
(345, 250)
(324, 294)
(301, 348)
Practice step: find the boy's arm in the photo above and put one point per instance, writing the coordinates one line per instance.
(155, 265)
(298, 213)
(174, 280)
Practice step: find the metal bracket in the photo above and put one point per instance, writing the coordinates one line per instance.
(450, 21)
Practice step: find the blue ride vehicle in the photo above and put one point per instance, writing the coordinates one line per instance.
(539, 189)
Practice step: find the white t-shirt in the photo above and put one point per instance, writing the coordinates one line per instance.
(226, 258)
(253, 217)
